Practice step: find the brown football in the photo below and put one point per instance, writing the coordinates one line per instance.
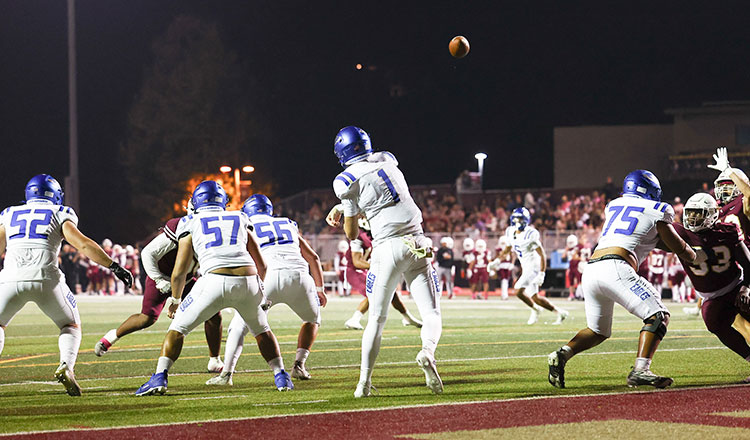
(459, 47)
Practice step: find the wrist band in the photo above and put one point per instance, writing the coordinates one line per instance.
(320, 289)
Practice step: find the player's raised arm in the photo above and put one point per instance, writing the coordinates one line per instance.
(89, 248)
(316, 270)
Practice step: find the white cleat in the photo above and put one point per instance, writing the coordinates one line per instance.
(300, 372)
(562, 315)
(215, 365)
(408, 321)
(221, 379)
(65, 376)
(431, 376)
(534, 317)
(364, 389)
(353, 324)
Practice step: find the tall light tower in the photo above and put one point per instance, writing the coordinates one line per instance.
(480, 157)
(72, 195)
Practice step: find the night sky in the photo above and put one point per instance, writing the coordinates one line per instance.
(532, 66)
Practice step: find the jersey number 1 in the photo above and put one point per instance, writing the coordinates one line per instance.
(389, 185)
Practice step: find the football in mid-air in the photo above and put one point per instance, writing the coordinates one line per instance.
(459, 47)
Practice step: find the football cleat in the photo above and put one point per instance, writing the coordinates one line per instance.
(300, 372)
(364, 389)
(561, 316)
(557, 361)
(101, 347)
(410, 321)
(353, 324)
(221, 379)
(65, 376)
(283, 381)
(534, 317)
(431, 376)
(646, 377)
(156, 385)
(215, 365)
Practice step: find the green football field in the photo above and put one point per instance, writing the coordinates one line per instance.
(487, 352)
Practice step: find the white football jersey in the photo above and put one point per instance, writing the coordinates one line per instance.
(33, 233)
(377, 188)
(278, 238)
(631, 224)
(219, 237)
(524, 244)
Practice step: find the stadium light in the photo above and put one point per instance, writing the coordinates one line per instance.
(480, 157)
(225, 169)
(237, 177)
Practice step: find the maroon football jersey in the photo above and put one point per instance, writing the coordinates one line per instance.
(712, 277)
(481, 259)
(732, 213)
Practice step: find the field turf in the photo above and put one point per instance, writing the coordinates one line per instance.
(487, 352)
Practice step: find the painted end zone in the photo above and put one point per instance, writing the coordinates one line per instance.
(685, 406)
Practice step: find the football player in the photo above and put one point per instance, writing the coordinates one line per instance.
(635, 223)
(158, 261)
(502, 265)
(373, 185)
(233, 269)
(446, 268)
(657, 269)
(573, 251)
(30, 236)
(480, 278)
(340, 263)
(523, 239)
(720, 280)
(294, 277)
(359, 255)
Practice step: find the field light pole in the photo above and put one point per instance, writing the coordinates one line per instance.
(480, 157)
(71, 182)
(237, 178)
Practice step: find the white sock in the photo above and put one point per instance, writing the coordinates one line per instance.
(302, 354)
(567, 352)
(432, 328)
(357, 315)
(277, 365)
(111, 336)
(642, 364)
(233, 348)
(2, 339)
(214, 358)
(163, 364)
(504, 288)
(69, 342)
(537, 308)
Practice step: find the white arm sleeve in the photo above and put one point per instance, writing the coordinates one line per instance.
(152, 253)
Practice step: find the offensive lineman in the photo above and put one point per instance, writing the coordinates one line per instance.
(636, 222)
(31, 234)
(233, 269)
(291, 262)
(373, 186)
(158, 261)
(523, 239)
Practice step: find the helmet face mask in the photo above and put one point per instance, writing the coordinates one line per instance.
(257, 204)
(700, 212)
(725, 189)
(351, 143)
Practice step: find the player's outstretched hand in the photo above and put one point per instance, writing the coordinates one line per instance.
(334, 216)
(721, 158)
(123, 274)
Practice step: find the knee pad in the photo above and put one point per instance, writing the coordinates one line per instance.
(656, 324)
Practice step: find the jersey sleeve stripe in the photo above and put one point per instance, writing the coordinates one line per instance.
(349, 175)
(341, 178)
(664, 208)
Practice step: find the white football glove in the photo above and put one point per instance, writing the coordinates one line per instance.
(721, 158)
(539, 280)
(164, 285)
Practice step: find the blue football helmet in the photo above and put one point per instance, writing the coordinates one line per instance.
(44, 186)
(351, 142)
(257, 204)
(643, 184)
(520, 217)
(209, 193)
